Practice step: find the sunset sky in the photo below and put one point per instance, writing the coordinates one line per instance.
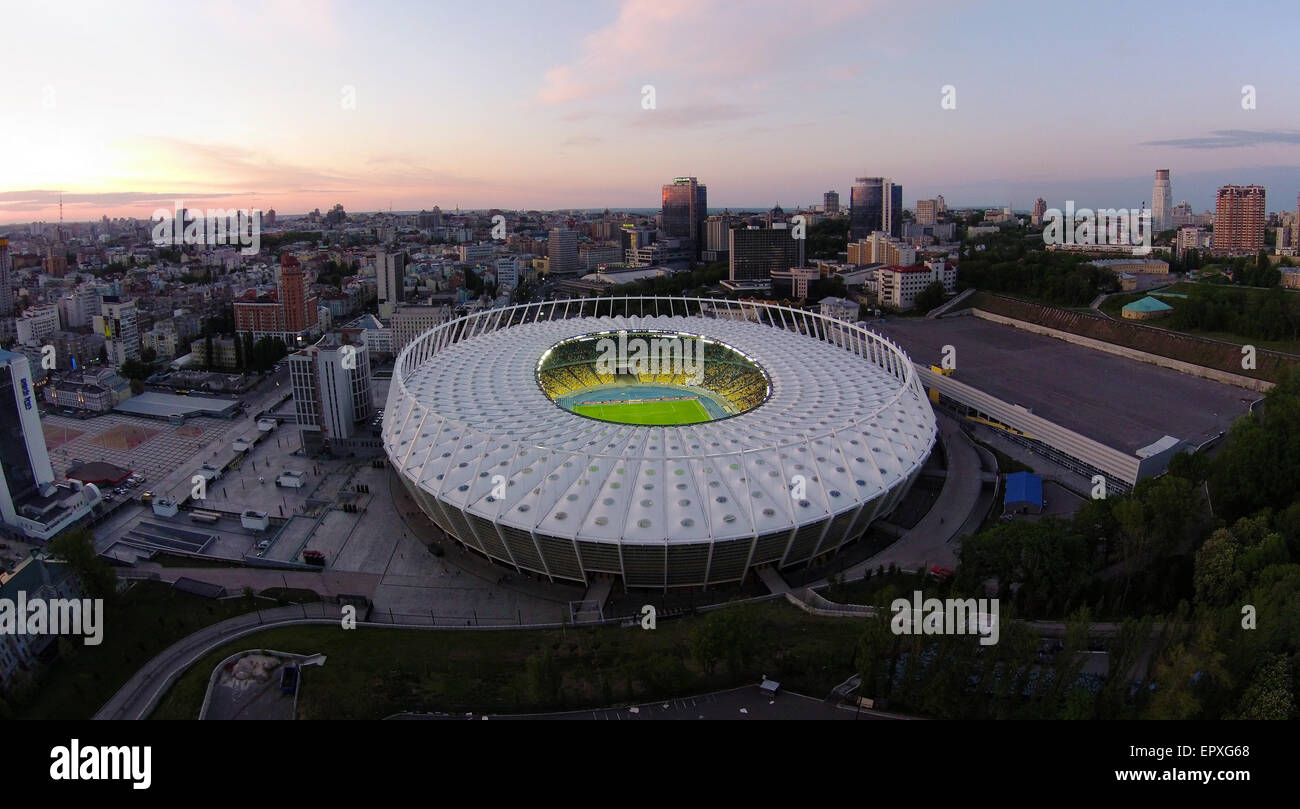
(128, 106)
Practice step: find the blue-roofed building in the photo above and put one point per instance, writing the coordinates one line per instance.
(1146, 308)
(1024, 494)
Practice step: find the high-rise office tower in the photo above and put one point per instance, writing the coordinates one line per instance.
(1295, 232)
(24, 460)
(562, 251)
(685, 211)
(6, 279)
(390, 275)
(875, 203)
(1040, 210)
(117, 323)
(717, 239)
(30, 501)
(331, 391)
(293, 296)
(927, 211)
(1162, 202)
(831, 202)
(1239, 219)
(755, 254)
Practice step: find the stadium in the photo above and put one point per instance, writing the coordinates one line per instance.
(672, 442)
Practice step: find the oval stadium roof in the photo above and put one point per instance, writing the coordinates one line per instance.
(472, 410)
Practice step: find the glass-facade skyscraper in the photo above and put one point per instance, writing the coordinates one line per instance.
(756, 254)
(30, 502)
(875, 203)
(24, 460)
(685, 211)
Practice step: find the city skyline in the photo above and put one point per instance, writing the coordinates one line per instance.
(370, 117)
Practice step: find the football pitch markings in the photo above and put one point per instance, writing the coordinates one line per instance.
(678, 411)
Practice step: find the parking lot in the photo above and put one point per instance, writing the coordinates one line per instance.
(1123, 403)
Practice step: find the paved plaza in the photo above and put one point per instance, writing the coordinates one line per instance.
(151, 448)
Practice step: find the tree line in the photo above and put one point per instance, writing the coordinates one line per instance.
(1203, 592)
(1271, 314)
(1009, 262)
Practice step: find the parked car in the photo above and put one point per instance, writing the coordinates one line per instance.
(289, 680)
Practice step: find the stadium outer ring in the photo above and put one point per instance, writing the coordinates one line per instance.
(517, 441)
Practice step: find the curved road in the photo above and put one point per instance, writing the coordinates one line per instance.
(145, 689)
(930, 542)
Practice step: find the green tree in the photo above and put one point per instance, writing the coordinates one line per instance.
(1270, 694)
(725, 635)
(76, 547)
(134, 370)
(875, 648)
(1216, 578)
(930, 297)
(1067, 666)
(706, 648)
(1125, 651)
(1259, 465)
(1184, 673)
(1190, 466)
(828, 238)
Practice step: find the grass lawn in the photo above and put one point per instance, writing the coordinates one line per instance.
(372, 673)
(147, 619)
(1116, 302)
(901, 585)
(680, 411)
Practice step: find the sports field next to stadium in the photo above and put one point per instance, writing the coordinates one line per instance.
(655, 412)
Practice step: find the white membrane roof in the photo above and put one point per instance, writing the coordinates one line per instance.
(473, 411)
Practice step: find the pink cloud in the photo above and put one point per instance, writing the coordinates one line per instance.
(659, 41)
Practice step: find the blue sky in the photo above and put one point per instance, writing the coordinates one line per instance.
(126, 106)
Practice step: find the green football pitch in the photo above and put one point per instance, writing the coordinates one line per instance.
(681, 411)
